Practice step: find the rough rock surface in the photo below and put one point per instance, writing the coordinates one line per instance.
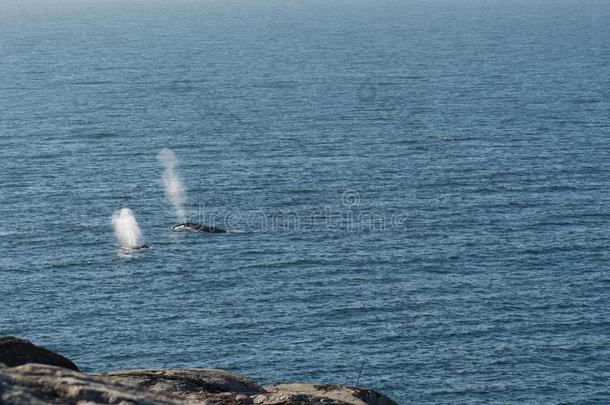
(16, 352)
(340, 393)
(191, 384)
(40, 384)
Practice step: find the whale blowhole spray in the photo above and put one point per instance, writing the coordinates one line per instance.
(174, 187)
(127, 230)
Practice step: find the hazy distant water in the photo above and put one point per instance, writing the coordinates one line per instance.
(478, 133)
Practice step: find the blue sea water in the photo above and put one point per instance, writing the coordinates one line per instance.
(419, 185)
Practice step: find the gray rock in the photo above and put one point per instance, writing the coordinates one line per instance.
(43, 384)
(340, 393)
(38, 384)
(193, 384)
(294, 398)
(16, 352)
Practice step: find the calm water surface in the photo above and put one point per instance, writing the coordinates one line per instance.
(444, 166)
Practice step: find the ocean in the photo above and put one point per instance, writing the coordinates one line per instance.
(422, 186)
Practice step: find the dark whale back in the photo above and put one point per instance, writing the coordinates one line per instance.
(191, 226)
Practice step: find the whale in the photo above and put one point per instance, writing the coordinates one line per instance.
(128, 249)
(191, 226)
